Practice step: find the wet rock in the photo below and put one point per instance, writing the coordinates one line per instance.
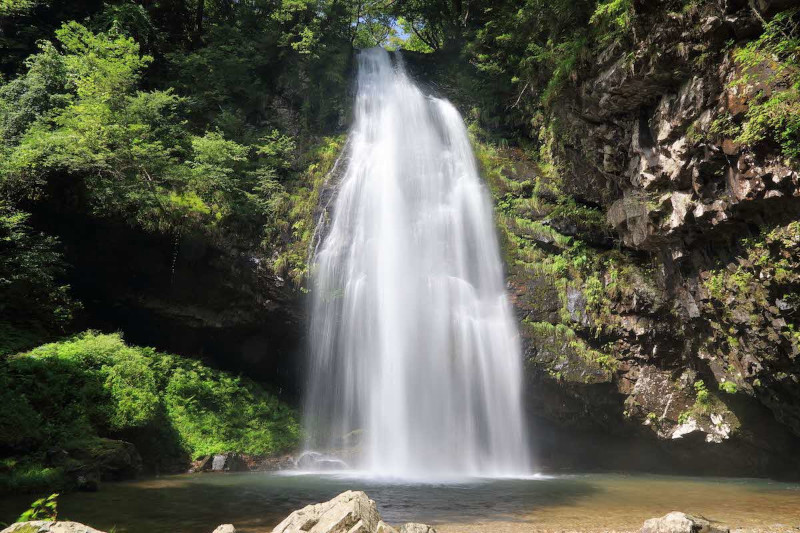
(311, 460)
(204, 464)
(87, 482)
(576, 306)
(676, 522)
(41, 526)
(243, 463)
(229, 462)
(272, 463)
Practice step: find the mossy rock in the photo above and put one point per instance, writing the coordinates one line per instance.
(110, 460)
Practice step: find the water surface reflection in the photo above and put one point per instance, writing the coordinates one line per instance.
(256, 502)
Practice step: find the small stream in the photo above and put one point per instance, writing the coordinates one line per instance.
(255, 502)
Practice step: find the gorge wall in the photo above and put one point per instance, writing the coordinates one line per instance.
(642, 156)
(652, 249)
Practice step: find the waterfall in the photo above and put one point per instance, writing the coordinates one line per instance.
(415, 356)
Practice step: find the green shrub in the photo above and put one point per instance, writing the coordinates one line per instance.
(701, 392)
(45, 509)
(74, 393)
(773, 60)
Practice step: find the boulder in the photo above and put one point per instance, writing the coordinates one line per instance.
(43, 526)
(349, 512)
(103, 460)
(676, 522)
(229, 462)
(203, 464)
(225, 528)
(412, 527)
(383, 527)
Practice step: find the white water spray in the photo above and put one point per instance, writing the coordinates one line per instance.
(415, 352)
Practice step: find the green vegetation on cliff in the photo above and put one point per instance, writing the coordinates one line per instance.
(215, 124)
(65, 406)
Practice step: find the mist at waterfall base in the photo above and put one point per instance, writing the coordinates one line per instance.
(415, 369)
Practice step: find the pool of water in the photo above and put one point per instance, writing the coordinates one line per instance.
(255, 502)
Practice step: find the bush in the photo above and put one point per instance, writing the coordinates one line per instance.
(702, 392)
(75, 393)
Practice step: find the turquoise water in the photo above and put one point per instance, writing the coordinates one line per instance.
(255, 502)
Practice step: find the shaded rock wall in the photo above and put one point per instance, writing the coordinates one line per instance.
(188, 294)
(695, 310)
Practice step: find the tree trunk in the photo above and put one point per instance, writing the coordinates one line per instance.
(198, 22)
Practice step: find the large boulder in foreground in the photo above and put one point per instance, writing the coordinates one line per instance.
(676, 522)
(349, 512)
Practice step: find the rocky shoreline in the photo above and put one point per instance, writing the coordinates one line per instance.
(355, 512)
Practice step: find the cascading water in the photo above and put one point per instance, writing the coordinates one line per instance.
(414, 350)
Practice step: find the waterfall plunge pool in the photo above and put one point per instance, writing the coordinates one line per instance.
(255, 502)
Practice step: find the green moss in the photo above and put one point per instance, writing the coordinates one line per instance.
(728, 387)
(29, 475)
(701, 393)
(773, 61)
(71, 393)
(295, 207)
(555, 338)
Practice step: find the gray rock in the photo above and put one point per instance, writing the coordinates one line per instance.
(229, 462)
(383, 527)
(42, 526)
(218, 463)
(412, 527)
(676, 522)
(349, 512)
(204, 464)
(225, 528)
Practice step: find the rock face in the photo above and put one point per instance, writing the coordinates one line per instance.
(241, 462)
(676, 522)
(349, 512)
(687, 313)
(245, 319)
(653, 258)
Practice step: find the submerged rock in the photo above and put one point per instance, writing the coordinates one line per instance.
(676, 522)
(350, 512)
(311, 460)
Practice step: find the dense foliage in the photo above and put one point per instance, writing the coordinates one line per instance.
(33, 302)
(73, 394)
(220, 120)
(770, 67)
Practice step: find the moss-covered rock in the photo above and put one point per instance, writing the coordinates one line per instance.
(92, 408)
